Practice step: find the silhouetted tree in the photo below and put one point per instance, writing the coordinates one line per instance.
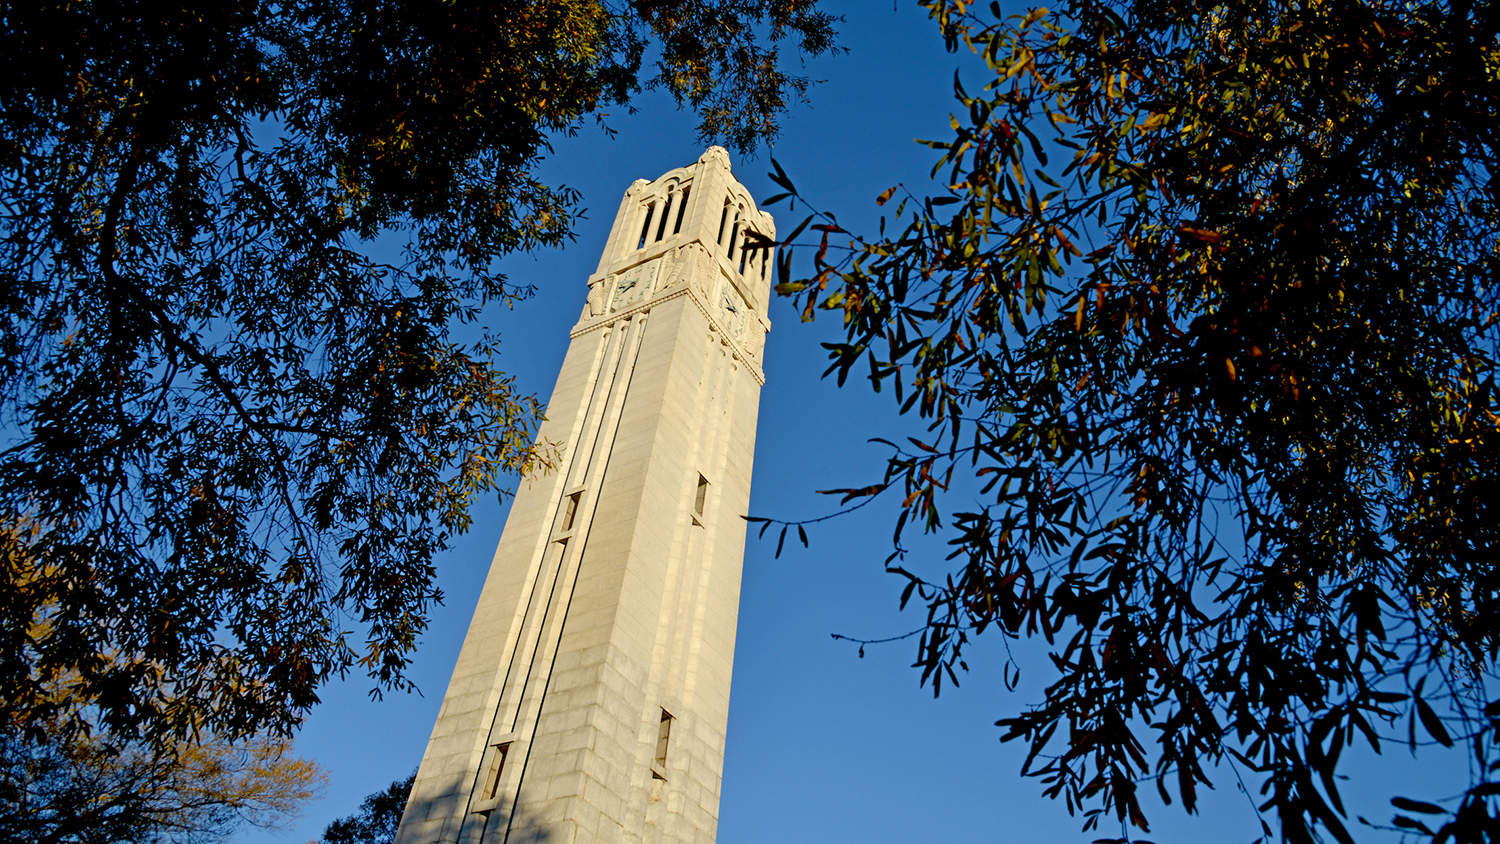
(88, 791)
(1203, 320)
(235, 435)
(377, 819)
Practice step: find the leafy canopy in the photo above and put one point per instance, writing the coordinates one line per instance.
(376, 821)
(236, 240)
(89, 791)
(1203, 324)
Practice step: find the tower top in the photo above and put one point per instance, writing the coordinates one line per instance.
(715, 154)
(695, 228)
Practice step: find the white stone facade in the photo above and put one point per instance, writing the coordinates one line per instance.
(591, 695)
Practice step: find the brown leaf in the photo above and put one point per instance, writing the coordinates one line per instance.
(1203, 235)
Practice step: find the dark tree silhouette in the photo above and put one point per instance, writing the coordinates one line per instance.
(85, 790)
(1203, 319)
(377, 819)
(234, 438)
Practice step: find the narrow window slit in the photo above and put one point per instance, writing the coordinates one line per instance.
(663, 735)
(497, 765)
(646, 226)
(666, 211)
(570, 510)
(681, 209)
(747, 256)
(700, 500)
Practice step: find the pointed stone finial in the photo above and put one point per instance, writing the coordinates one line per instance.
(715, 154)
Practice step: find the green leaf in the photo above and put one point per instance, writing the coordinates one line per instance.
(1418, 806)
(780, 177)
(798, 230)
(1433, 723)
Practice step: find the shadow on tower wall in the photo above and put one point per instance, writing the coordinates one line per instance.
(424, 822)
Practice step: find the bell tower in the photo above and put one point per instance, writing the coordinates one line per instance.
(591, 696)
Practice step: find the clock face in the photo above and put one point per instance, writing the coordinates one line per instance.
(634, 285)
(732, 313)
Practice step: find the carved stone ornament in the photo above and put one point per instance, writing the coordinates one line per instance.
(754, 338)
(598, 293)
(675, 266)
(702, 272)
(716, 154)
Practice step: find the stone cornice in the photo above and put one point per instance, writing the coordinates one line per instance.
(683, 288)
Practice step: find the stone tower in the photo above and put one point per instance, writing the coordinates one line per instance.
(591, 696)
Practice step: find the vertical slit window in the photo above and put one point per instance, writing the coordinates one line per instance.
(663, 736)
(646, 226)
(734, 233)
(681, 209)
(700, 499)
(570, 510)
(666, 211)
(497, 766)
(723, 218)
(747, 256)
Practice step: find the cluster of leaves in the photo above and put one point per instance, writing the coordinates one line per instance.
(88, 791)
(711, 59)
(376, 821)
(1206, 322)
(233, 430)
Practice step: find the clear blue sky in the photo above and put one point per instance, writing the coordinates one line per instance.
(823, 746)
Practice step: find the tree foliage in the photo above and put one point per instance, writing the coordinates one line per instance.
(236, 240)
(377, 820)
(1203, 323)
(89, 791)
